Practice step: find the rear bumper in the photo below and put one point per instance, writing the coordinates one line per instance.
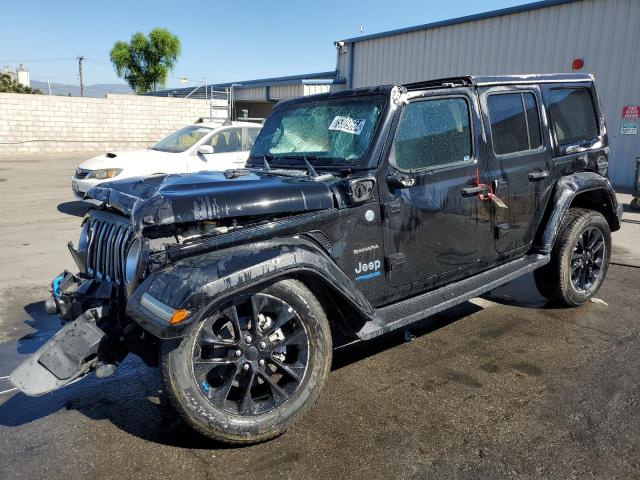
(619, 212)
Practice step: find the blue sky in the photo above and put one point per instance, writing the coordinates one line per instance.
(221, 42)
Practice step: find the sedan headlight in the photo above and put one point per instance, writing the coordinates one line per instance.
(104, 174)
(133, 263)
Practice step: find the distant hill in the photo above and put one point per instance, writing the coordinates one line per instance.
(98, 90)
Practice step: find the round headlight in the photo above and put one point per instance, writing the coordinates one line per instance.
(83, 241)
(132, 263)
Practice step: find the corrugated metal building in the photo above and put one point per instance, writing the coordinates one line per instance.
(257, 97)
(542, 37)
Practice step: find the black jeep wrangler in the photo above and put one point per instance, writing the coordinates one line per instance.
(358, 212)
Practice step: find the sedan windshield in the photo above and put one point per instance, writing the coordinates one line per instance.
(335, 131)
(181, 140)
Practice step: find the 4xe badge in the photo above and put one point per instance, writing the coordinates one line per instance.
(368, 270)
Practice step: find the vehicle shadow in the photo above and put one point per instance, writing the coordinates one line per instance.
(76, 208)
(45, 327)
(521, 292)
(353, 352)
(134, 401)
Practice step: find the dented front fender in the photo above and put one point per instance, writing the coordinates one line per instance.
(202, 282)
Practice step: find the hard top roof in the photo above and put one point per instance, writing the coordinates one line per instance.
(482, 80)
(467, 80)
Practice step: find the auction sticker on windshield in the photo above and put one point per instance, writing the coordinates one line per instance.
(347, 124)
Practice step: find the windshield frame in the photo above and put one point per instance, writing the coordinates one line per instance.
(188, 149)
(295, 159)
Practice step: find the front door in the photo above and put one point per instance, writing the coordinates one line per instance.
(435, 231)
(227, 152)
(520, 157)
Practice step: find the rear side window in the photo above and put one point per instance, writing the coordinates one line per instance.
(515, 122)
(432, 133)
(572, 115)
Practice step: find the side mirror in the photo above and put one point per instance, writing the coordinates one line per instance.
(205, 149)
(400, 180)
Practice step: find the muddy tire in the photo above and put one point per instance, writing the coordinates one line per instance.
(579, 259)
(252, 368)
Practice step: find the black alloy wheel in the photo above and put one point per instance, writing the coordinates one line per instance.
(579, 259)
(253, 366)
(587, 259)
(251, 357)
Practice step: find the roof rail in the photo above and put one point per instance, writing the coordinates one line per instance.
(440, 83)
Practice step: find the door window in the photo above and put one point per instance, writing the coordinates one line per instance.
(432, 133)
(573, 115)
(515, 122)
(227, 141)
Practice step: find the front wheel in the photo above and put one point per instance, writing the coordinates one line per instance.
(252, 368)
(579, 260)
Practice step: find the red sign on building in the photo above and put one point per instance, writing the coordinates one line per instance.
(631, 111)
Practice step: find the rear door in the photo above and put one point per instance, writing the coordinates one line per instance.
(520, 161)
(434, 232)
(578, 131)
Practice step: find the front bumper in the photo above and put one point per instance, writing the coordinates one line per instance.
(80, 186)
(73, 295)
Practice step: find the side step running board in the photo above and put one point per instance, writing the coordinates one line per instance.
(417, 308)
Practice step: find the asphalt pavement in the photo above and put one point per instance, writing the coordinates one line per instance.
(500, 387)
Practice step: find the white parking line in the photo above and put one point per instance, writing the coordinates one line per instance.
(7, 391)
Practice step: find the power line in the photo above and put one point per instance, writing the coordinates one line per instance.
(38, 60)
(98, 61)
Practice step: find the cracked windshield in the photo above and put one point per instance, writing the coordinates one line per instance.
(326, 132)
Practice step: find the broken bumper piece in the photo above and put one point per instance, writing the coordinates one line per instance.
(68, 356)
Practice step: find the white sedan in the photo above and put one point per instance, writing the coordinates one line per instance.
(194, 148)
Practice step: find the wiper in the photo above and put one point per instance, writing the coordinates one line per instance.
(266, 168)
(310, 170)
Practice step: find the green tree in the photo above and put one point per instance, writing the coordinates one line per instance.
(145, 62)
(9, 85)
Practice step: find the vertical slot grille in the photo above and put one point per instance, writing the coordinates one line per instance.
(107, 250)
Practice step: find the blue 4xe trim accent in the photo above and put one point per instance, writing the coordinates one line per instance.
(368, 276)
(55, 285)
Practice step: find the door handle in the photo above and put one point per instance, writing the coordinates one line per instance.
(473, 191)
(535, 176)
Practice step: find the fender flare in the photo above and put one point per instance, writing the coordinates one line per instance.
(567, 189)
(202, 282)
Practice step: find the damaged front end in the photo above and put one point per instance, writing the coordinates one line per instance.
(139, 227)
(95, 337)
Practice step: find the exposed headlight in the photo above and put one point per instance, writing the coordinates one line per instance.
(104, 174)
(133, 263)
(83, 241)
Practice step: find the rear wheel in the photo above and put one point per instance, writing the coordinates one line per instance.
(579, 260)
(252, 368)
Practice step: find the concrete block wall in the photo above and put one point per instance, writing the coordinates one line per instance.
(42, 123)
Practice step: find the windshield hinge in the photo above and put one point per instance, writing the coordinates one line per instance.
(395, 261)
(391, 209)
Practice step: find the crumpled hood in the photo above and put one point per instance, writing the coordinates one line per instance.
(168, 199)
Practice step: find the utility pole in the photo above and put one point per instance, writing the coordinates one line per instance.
(80, 59)
(49, 83)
